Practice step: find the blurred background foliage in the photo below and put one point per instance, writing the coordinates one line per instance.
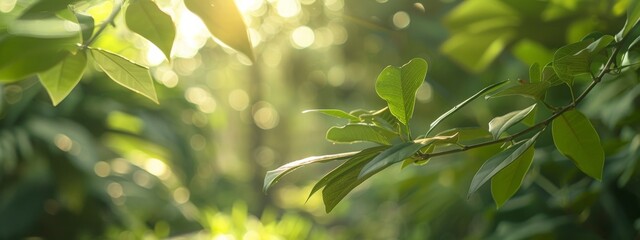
(107, 163)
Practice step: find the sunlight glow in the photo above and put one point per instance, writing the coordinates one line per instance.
(288, 8)
(401, 19)
(246, 6)
(155, 167)
(302, 37)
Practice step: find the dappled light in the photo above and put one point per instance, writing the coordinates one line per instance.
(319, 119)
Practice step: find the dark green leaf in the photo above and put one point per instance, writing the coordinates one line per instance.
(394, 154)
(535, 75)
(224, 21)
(24, 56)
(575, 138)
(398, 86)
(274, 175)
(352, 133)
(498, 162)
(507, 181)
(485, 90)
(62, 78)
(126, 73)
(570, 61)
(500, 124)
(145, 18)
(549, 75)
(335, 113)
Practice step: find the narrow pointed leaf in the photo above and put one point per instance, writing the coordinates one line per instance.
(335, 113)
(224, 21)
(498, 162)
(352, 133)
(576, 139)
(500, 124)
(394, 154)
(354, 161)
(507, 181)
(398, 86)
(274, 175)
(62, 78)
(344, 178)
(531, 90)
(485, 90)
(126, 73)
(144, 17)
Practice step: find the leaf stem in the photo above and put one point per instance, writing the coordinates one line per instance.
(116, 9)
(606, 69)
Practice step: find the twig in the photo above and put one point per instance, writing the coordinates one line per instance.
(116, 9)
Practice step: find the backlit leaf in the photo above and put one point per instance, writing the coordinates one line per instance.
(576, 139)
(508, 180)
(62, 78)
(145, 18)
(398, 86)
(352, 133)
(498, 162)
(500, 124)
(274, 175)
(126, 73)
(224, 21)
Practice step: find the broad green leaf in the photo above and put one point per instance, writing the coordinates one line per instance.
(394, 154)
(144, 17)
(570, 61)
(342, 180)
(274, 175)
(398, 86)
(576, 139)
(126, 73)
(633, 16)
(335, 113)
(498, 162)
(224, 21)
(485, 90)
(530, 90)
(352, 133)
(549, 75)
(535, 74)
(599, 44)
(507, 181)
(87, 25)
(500, 124)
(62, 78)
(21, 56)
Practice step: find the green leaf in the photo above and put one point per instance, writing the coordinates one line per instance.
(633, 16)
(485, 90)
(549, 75)
(599, 44)
(535, 75)
(87, 25)
(144, 17)
(507, 181)
(126, 73)
(530, 90)
(498, 162)
(335, 113)
(398, 86)
(500, 124)
(575, 138)
(273, 176)
(570, 61)
(394, 154)
(352, 133)
(224, 21)
(429, 146)
(62, 78)
(343, 179)
(21, 56)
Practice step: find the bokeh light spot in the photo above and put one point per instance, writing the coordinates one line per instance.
(302, 37)
(102, 169)
(238, 99)
(401, 19)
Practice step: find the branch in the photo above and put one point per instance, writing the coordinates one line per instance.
(103, 26)
(606, 69)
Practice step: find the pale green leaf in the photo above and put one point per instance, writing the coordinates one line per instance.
(22, 56)
(398, 86)
(508, 180)
(343, 178)
(335, 113)
(352, 133)
(274, 175)
(575, 138)
(531, 90)
(394, 154)
(500, 124)
(224, 21)
(145, 18)
(484, 91)
(62, 78)
(126, 73)
(498, 162)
